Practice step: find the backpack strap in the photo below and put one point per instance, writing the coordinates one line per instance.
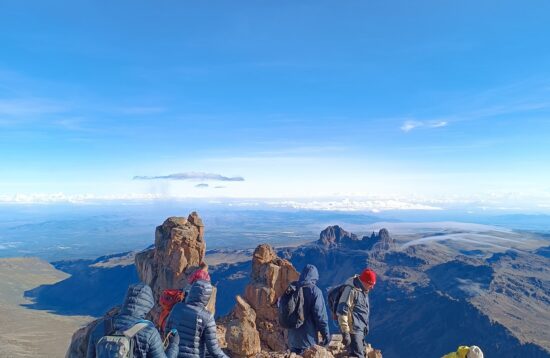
(132, 331)
(108, 326)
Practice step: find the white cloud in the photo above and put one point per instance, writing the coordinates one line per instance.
(353, 205)
(190, 176)
(409, 125)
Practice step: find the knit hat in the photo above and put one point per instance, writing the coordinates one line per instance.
(368, 276)
(198, 275)
(475, 352)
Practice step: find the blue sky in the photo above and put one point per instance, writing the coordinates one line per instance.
(427, 102)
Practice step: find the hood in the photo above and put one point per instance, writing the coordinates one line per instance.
(199, 293)
(138, 301)
(309, 274)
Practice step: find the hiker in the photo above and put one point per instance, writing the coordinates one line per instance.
(169, 297)
(466, 352)
(196, 326)
(128, 334)
(200, 274)
(353, 311)
(315, 314)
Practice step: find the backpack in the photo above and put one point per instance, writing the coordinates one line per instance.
(334, 295)
(291, 307)
(168, 299)
(118, 344)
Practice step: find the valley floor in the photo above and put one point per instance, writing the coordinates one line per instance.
(26, 332)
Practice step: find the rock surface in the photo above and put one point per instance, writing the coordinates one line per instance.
(269, 278)
(179, 248)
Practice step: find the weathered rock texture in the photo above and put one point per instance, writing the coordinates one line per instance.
(179, 248)
(256, 312)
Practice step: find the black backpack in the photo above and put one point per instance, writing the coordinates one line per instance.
(334, 295)
(291, 307)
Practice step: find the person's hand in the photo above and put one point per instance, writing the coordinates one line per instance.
(174, 337)
(346, 339)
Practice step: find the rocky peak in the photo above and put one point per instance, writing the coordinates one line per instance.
(380, 242)
(179, 248)
(333, 236)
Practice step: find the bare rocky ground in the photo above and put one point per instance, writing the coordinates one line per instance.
(25, 332)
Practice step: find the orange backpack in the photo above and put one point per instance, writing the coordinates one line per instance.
(168, 299)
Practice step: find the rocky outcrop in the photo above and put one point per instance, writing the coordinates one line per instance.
(241, 334)
(269, 278)
(381, 242)
(334, 236)
(179, 248)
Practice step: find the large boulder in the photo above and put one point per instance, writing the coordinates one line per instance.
(269, 278)
(241, 335)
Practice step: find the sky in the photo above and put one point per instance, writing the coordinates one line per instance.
(359, 104)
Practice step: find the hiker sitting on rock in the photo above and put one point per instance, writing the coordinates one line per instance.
(353, 311)
(196, 326)
(315, 314)
(127, 334)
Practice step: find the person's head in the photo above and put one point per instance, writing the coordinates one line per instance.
(199, 274)
(199, 293)
(309, 274)
(474, 352)
(203, 266)
(138, 301)
(368, 279)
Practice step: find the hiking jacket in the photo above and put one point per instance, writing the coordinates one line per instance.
(315, 312)
(195, 325)
(147, 342)
(353, 308)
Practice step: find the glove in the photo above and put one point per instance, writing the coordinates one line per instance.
(346, 339)
(325, 341)
(174, 337)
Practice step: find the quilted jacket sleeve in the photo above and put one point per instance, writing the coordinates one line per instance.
(211, 339)
(156, 347)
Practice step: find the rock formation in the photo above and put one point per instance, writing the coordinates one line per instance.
(333, 236)
(179, 248)
(269, 278)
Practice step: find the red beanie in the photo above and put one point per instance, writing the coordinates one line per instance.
(368, 276)
(198, 275)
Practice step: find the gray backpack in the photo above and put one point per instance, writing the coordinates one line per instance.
(118, 344)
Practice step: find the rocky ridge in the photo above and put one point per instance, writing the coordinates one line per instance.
(251, 329)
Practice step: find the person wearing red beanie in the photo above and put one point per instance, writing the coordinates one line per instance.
(353, 311)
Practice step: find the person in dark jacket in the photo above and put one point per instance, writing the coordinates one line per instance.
(315, 314)
(195, 325)
(353, 311)
(147, 342)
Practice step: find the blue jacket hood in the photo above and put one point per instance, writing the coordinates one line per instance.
(138, 302)
(199, 293)
(309, 274)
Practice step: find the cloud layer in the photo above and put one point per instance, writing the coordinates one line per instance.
(191, 176)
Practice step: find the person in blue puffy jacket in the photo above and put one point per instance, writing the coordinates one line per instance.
(196, 326)
(315, 314)
(147, 343)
